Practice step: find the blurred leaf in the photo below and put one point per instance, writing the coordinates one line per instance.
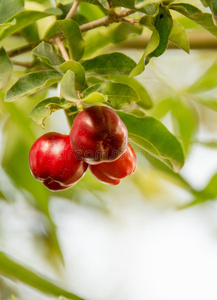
(31, 83)
(23, 19)
(208, 101)
(205, 2)
(95, 40)
(117, 33)
(210, 144)
(205, 82)
(31, 33)
(151, 135)
(185, 122)
(67, 87)
(104, 3)
(6, 67)
(46, 52)
(91, 12)
(123, 3)
(162, 108)
(8, 8)
(208, 193)
(119, 95)
(66, 1)
(148, 7)
(179, 37)
(196, 15)
(15, 164)
(73, 37)
(11, 268)
(174, 177)
(46, 107)
(214, 10)
(109, 64)
(163, 24)
(144, 98)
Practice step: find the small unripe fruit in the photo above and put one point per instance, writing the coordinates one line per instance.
(53, 162)
(113, 172)
(98, 135)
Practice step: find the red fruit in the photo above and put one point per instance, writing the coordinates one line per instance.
(113, 172)
(98, 135)
(53, 162)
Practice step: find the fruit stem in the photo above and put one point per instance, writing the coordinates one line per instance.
(70, 115)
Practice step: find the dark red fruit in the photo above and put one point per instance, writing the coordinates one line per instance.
(98, 135)
(53, 162)
(113, 172)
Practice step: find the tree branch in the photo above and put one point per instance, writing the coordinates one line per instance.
(72, 10)
(62, 49)
(105, 21)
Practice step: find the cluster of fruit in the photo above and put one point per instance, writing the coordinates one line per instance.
(98, 139)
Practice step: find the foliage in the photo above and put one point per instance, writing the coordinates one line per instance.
(82, 54)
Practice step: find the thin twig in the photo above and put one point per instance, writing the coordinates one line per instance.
(22, 64)
(62, 49)
(72, 10)
(131, 21)
(105, 21)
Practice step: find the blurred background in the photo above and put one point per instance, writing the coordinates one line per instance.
(152, 237)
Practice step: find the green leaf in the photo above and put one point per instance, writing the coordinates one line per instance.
(77, 69)
(109, 64)
(144, 97)
(119, 95)
(185, 122)
(214, 11)
(64, 2)
(23, 19)
(174, 177)
(196, 15)
(68, 87)
(162, 108)
(46, 52)
(6, 67)
(13, 269)
(117, 33)
(18, 124)
(104, 3)
(74, 39)
(95, 40)
(151, 135)
(50, 57)
(163, 24)
(94, 98)
(8, 8)
(123, 3)
(46, 107)
(208, 101)
(205, 82)
(152, 45)
(208, 193)
(179, 37)
(31, 83)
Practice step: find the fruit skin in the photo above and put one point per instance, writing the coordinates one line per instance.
(98, 135)
(53, 162)
(113, 172)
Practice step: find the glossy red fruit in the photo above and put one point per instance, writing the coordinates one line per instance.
(98, 135)
(53, 162)
(113, 172)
